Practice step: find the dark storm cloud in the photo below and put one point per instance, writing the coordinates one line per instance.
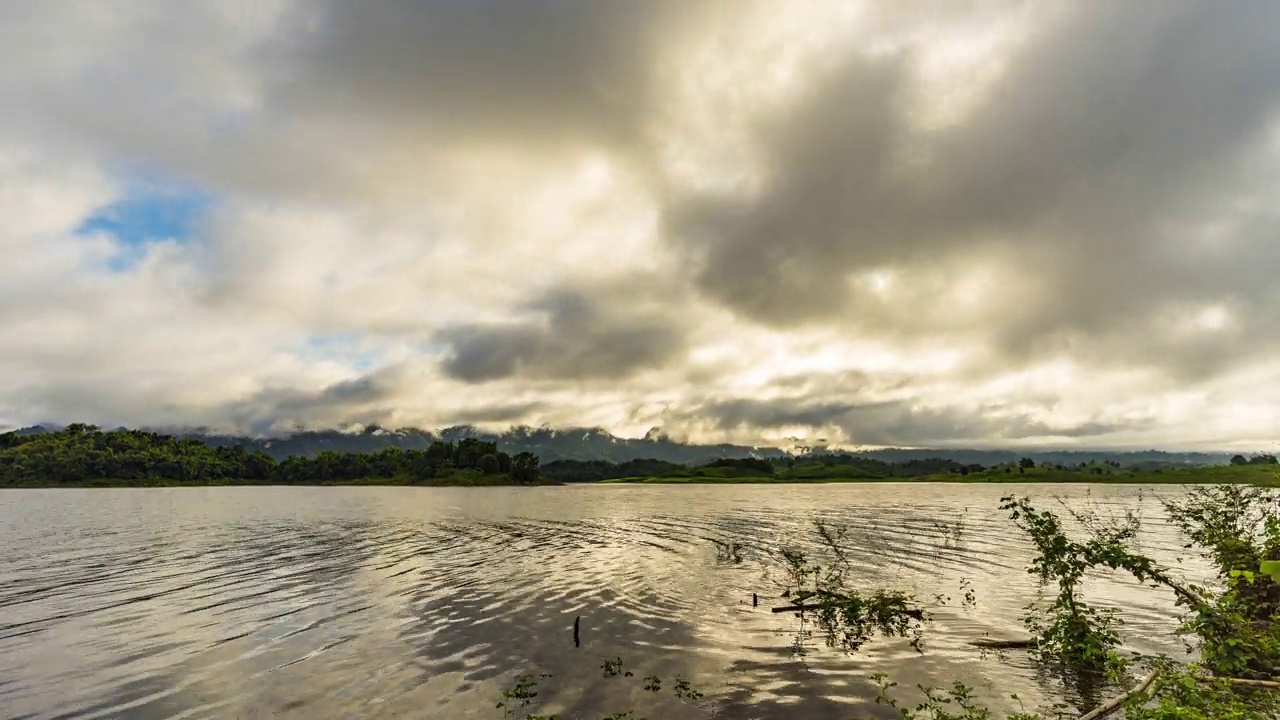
(498, 413)
(1090, 234)
(507, 70)
(899, 423)
(568, 336)
(1111, 124)
(775, 413)
(778, 257)
(368, 398)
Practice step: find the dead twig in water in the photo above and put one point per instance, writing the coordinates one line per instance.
(916, 613)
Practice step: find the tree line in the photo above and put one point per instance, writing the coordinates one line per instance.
(81, 454)
(817, 466)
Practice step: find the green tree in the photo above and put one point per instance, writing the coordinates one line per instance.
(524, 468)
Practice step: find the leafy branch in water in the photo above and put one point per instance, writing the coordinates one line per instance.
(956, 703)
(846, 617)
(1071, 633)
(1239, 529)
(1238, 627)
(1236, 623)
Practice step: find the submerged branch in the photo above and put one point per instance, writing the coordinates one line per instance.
(1185, 592)
(1118, 701)
(990, 644)
(1243, 682)
(915, 613)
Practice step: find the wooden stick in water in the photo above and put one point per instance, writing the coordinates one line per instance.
(916, 613)
(1116, 702)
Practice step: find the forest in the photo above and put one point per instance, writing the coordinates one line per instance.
(86, 455)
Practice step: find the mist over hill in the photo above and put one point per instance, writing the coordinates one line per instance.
(587, 444)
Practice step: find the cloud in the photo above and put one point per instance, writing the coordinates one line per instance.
(570, 337)
(1100, 128)
(501, 71)
(900, 423)
(997, 222)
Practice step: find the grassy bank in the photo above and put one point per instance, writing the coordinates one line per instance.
(460, 480)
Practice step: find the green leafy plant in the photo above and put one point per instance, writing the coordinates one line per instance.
(1236, 624)
(1272, 568)
(847, 618)
(955, 703)
(519, 696)
(1238, 527)
(517, 699)
(1071, 633)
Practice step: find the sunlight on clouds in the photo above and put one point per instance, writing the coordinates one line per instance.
(981, 222)
(879, 282)
(957, 66)
(1212, 319)
(1186, 322)
(756, 60)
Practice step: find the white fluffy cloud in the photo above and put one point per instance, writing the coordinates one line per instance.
(1002, 223)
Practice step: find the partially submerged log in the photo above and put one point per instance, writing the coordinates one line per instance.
(1118, 701)
(993, 644)
(1244, 682)
(916, 613)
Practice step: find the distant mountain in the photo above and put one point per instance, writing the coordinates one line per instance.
(597, 444)
(37, 429)
(1056, 457)
(549, 445)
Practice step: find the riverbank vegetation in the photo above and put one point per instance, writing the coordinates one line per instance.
(1231, 626)
(83, 455)
(834, 467)
(1214, 474)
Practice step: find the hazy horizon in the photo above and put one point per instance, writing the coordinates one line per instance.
(790, 445)
(994, 225)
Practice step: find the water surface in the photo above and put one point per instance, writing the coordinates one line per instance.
(277, 602)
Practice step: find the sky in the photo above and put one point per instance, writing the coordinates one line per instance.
(973, 223)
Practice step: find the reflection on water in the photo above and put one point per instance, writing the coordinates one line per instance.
(424, 602)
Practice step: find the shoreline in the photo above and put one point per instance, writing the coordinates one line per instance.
(1215, 475)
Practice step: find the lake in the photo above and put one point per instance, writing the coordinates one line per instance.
(273, 602)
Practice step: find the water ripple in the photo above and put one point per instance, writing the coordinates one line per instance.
(393, 602)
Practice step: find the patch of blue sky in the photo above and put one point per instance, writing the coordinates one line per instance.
(346, 348)
(150, 212)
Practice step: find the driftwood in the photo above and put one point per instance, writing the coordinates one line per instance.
(992, 644)
(1118, 701)
(1115, 703)
(916, 613)
(1243, 682)
(1182, 590)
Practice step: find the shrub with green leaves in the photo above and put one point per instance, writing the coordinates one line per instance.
(1235, 624)
(847, 618)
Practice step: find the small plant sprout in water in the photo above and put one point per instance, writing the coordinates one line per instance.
(520, 696)
(518, 699)
(728, 551)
